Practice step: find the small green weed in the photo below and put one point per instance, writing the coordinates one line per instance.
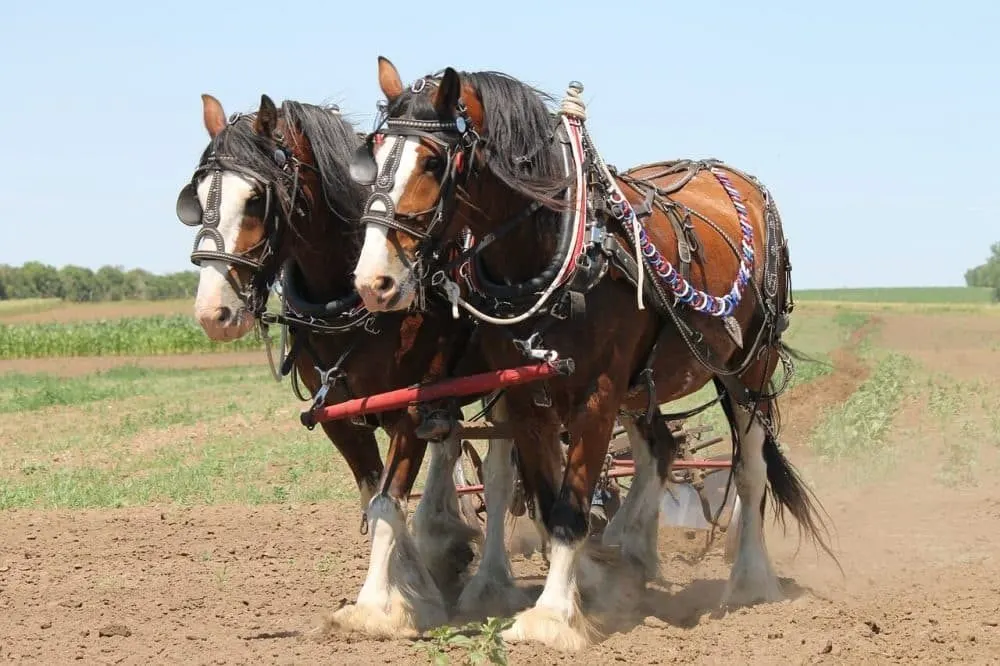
(961, 455)
(480, 641)
(222, 576)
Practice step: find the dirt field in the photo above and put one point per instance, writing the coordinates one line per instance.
(66, 312)
(916, 532)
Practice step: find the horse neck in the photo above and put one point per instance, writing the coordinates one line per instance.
(522, 253)
(325, 250)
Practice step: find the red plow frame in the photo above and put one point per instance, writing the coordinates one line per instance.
(482, 383)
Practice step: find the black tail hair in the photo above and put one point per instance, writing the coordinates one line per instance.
(800, 355)
(663, 445)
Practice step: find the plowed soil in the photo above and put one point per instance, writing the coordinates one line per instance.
(236, 584)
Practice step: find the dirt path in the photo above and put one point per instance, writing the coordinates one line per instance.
(801, 406)
(67, 312)
(239, 584)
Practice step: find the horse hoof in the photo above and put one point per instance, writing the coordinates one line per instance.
(545, 626)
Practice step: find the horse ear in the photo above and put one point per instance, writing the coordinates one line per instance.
(388, 79)
(266, 120)
(448, 93)
(213, 115)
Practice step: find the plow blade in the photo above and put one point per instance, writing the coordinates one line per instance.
(682, 506)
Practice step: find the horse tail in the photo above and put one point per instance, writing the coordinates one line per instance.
(800, 355)
(790, 492)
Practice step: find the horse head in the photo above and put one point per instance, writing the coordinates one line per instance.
(452, 151)
(264, 184)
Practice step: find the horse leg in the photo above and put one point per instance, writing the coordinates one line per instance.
(759, 462)
(634, 527)
(752, 577)
(556, 619)
(491, 591)
(359, 449)
(443, 539)
(733, 532)
(398, 597)
(357, 444)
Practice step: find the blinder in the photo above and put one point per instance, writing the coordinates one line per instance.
(191, 213)
(188, 207)
(363, 168)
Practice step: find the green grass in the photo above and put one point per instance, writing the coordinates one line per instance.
(964, 295)
(969, 415)
(228, 469)
(132, 436)
(127, 336)
(23, 393)
(858, 429)
(19, 306)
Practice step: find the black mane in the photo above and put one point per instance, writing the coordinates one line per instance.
(333, 141)
(331, 138)
(518, 133)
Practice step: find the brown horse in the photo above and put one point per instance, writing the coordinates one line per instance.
(272, 190)
(610, 275)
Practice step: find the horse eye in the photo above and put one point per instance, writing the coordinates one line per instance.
(254, 206)
(433, 164)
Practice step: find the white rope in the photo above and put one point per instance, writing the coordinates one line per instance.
(640, 267)
(572, 103)
(633, 221)
(453, 291)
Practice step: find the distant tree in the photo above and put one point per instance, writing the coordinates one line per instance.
(137, 284)
(38, 280)
(987, 274)
(78, 284)
(109, 283)
(5, 275)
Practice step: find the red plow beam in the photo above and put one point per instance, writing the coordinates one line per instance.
(448, 388)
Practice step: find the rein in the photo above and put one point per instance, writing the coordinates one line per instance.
(569, 250)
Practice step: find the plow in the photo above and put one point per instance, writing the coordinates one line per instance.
(695, 498)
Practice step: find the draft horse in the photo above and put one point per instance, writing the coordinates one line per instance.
(273, 199)
(611, 275)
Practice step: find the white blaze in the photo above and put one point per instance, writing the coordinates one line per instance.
(376, 259)
(214, 291)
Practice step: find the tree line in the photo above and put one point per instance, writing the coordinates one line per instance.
(987, 274)
(113, 283)
(108, 283)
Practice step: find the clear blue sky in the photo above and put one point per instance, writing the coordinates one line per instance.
(875, 124)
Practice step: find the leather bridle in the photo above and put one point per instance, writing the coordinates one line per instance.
(263, 253)
(456, 139)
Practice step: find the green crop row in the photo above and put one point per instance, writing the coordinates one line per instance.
(176, 334)
(898, 295)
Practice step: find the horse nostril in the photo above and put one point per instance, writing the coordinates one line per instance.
(223, 314)
(383, 283)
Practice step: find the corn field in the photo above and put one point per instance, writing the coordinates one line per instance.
(175, 334)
